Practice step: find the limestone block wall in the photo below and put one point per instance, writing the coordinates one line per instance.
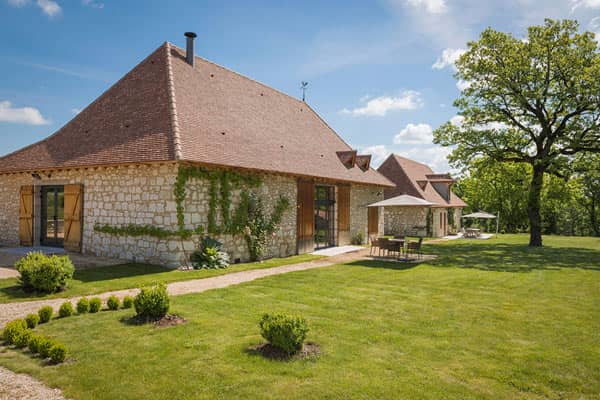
(402, 219)
(360, 197)
(283, 242)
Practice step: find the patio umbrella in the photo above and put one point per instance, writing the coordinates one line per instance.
(484, 215)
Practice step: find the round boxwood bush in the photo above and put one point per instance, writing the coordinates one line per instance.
(58, 353)
(152, 303)
(95, 304)
(42, 273)
(32, 320)
(284, 332)
(34, 343)
(44, 346)
(113, 303)
(66, 309)
(127, 302)
(22, 339)
(45, 314)
(12, 330)
(83, 305)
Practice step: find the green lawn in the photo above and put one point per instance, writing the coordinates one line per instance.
(104, 279)
(487, 319)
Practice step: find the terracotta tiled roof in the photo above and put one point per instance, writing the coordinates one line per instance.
(415, 179)
(166, 110)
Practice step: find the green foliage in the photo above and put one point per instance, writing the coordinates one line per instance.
(32, 320)
(22, 339)
(113, 303)
(12, 330)
(210, 255)
(57, 353)
(152, 303)
(44, 346)
(66, 309)
(127, 302)
(83, 305)
(534, 101)
(258, 226)
(34, 343)
(95, 304)
(45, 314)
(47, 274)
(283, 331)
(429, 222)
(136, 230)
(358, 238)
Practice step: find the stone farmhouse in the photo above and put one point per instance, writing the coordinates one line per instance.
(167, 154)
(417, 194)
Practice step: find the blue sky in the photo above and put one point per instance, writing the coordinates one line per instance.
(379, 72)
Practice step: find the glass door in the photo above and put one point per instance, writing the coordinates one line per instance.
(324, 216)
(53, 216)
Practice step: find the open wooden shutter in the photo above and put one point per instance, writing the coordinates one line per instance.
(343, 206)
(26, 216)
(73, 217)
(373, 221)
(306, 217)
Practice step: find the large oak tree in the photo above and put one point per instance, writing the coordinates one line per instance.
(534, 101)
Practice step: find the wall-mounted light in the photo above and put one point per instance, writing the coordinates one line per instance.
(37, 176)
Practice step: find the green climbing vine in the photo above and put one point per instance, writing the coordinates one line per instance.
(247, 219)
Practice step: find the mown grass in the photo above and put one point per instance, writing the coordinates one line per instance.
(487, 319)
(103, 279)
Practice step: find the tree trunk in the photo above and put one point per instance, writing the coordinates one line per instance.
(533, 207)
(593, 219)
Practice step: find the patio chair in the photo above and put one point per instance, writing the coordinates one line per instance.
(415, 247)
(374, 243)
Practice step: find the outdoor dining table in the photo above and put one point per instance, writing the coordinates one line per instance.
(401, 241)
(473, 232)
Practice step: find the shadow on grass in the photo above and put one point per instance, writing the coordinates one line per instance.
(391, 264)
(512, 257)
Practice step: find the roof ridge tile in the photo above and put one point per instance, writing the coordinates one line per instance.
(173, 105)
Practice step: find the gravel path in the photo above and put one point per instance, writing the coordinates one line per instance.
(23, 387)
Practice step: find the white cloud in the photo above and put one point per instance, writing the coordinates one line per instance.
(378, 154)
(75, 110)
(434, 156)
(92, 4)
(415, 134)
(18, 3)
(584, 4)
(594, 26)
(431, 6)
(448, 58)
(462, 85)
(379, 106)
(24, 115)
(49, 7)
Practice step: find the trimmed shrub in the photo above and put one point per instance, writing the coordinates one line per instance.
(127, 302)
(22, 339)
(47, 274)
(45, 314)
(95, 304)
(32, 320)
(44, 346)
(152, 303)
(34, 343)
(284, 331)
(83, 305)
(210, 255)
(66, 309)
(12, 330)
(58, 353)
(113, 303)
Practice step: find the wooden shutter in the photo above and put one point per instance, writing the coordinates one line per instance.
(373, 221)
(26, 216)
(73, 216)
(306, 217)
(343, 206)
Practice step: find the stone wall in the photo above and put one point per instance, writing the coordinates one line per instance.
(400, 220)
(360, 197)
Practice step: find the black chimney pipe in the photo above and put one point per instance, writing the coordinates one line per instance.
(189, 56)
